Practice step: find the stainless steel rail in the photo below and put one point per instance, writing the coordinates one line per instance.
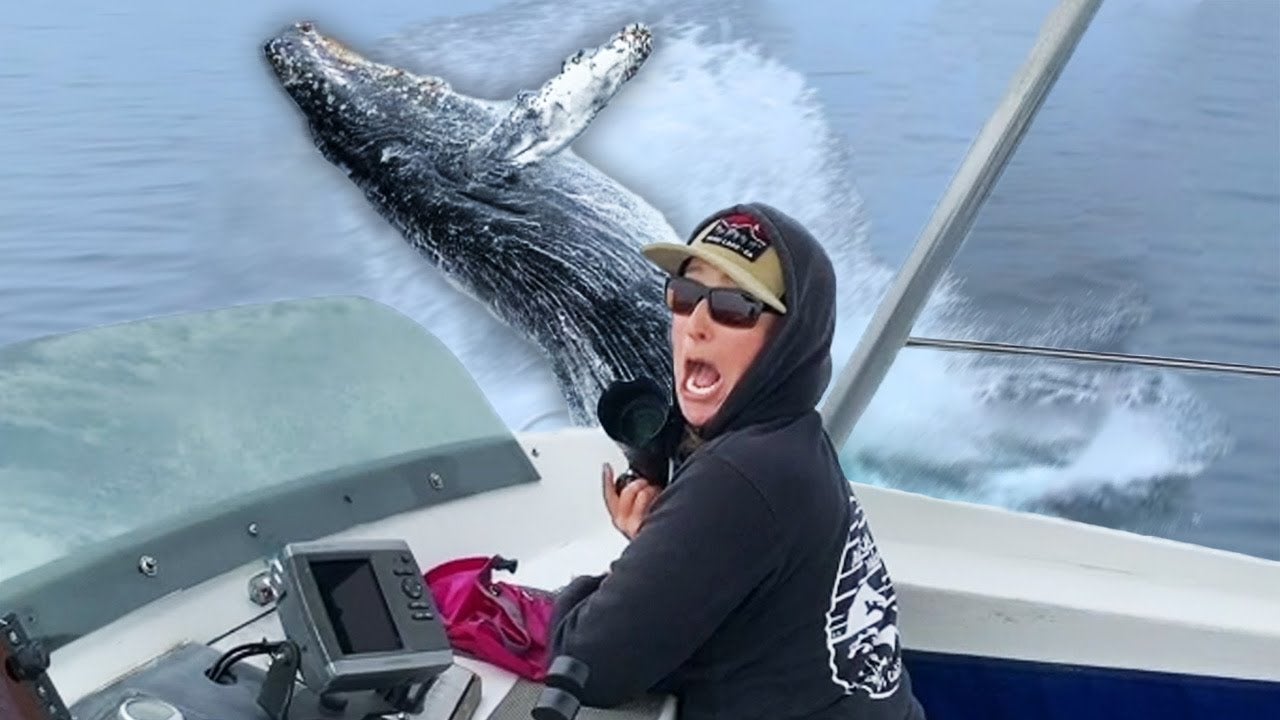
(1091, 356)
(953, 217)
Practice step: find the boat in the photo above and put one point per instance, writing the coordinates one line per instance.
(242, 447)
(339, 419)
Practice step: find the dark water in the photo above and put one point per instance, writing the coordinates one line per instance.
(151, 167)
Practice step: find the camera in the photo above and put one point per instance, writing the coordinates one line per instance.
(638, 415)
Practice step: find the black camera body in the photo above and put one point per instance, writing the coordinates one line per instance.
(640, 416)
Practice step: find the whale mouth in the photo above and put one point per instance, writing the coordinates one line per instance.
(293, 54)
(312, 65)
(301, 53)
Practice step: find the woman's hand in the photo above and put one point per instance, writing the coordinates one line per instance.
(628, 508)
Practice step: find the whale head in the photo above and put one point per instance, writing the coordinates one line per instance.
(362, 112)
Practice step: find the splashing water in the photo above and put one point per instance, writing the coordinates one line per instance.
(714, 119)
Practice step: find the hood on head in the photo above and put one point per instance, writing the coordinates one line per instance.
(793, 369)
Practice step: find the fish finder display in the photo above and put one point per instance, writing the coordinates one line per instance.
(359, 626)
(356, 607)
(361, 615)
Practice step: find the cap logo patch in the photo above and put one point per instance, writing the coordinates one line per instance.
(739, 233)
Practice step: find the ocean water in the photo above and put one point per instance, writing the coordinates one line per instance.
(153, 167)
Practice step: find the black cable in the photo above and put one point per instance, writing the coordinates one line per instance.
(288, 699)
(238, 653)
(234, 655)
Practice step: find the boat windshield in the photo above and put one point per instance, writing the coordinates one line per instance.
(116, 429)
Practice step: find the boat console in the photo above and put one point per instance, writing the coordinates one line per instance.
(362, 640)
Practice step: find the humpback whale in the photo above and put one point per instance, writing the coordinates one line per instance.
(491, 194)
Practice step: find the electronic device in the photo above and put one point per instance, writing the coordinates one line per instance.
(26, 692)
(358, 619)
(360, 614)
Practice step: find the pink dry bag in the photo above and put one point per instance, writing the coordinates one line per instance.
(500, 623)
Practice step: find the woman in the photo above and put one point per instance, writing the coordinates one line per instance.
(752, 587)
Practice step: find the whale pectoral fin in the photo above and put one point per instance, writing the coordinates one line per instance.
(538, 126)
(541, 124)
(514, 139)
(573, 59)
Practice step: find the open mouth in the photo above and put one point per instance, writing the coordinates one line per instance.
(701, 378)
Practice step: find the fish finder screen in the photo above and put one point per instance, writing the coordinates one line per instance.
(360, 617)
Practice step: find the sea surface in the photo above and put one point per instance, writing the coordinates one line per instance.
(153, 167)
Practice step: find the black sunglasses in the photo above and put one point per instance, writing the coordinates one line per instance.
(728, 306)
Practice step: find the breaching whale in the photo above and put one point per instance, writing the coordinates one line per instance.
(492, 195)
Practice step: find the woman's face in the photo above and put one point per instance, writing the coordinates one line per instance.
(709, 358)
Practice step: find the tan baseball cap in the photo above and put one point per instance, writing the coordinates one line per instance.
(736, 244)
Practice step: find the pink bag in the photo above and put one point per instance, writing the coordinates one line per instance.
(498, 622)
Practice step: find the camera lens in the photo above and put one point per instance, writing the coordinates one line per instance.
(642, 419)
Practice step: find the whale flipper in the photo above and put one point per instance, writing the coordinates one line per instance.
(542, 123)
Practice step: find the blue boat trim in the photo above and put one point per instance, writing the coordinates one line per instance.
(961, 687)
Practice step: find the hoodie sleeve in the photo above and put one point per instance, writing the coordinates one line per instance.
(709, 540)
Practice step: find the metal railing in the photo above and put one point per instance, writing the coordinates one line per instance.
(954, 215)
(1092, 356)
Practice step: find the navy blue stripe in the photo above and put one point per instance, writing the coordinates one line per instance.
(964, 687)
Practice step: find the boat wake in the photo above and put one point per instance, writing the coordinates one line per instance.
(715, 118)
